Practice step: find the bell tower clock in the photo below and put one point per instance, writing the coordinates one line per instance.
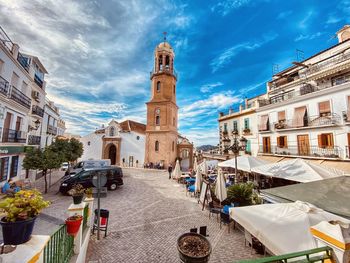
(162, 111)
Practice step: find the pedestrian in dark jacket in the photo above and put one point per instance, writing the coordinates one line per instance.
(170, 169)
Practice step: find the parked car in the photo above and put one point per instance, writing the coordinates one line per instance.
(84, 177)
(89, 164)
(65, 166)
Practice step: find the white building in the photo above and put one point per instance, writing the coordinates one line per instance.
(306, 112)
(50, 127)
(123, 143)
(243, 121)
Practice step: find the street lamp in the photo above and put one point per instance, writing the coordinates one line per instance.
(237, 146)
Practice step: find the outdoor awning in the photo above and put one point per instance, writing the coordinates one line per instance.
(332, 195)
(283, 228)
(338, 165)
(297, 170)
(270, 159)
(298, 118)
(244, 163)
(263, 125)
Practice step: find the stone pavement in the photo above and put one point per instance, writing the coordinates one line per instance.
(148, 214)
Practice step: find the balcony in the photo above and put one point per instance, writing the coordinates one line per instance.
(4, 86)
(19, 97)
(164, 70)
(309, 122)
(34, 140)
(36, 110)
(311, 151)
(9, 135)
(246, 131)
(52, 129)
(38, 81)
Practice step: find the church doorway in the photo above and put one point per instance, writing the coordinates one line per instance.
(112, 154)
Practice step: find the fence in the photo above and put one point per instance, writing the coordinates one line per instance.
(60, 247)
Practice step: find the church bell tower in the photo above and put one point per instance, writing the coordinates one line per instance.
(162, 111)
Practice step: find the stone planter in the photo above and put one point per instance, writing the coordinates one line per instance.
(193, 248)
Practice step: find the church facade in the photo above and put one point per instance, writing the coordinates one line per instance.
(163, 142)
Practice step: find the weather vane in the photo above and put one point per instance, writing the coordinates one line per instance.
(164, 33)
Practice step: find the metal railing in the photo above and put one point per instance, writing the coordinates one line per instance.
(4, 86)
(34, 140)
(59, 249)
(19, 97)
(37, 110)
(311, 151)
(313, 255)
(9, 135)
(309, 121)
(51, 129)
(164, 69)
(5, 40)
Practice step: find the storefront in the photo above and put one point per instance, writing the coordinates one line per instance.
(11, 158)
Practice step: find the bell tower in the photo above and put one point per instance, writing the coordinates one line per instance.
(162, 111)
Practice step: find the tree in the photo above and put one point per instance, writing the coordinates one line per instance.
(37, 159)
(70, 150)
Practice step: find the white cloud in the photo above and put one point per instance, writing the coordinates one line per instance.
(308, 37)
(285, 14)
(304, 22)
(208, 87)
(228, 54)
(225, 7)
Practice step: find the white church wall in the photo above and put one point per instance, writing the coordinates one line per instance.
(132, 149)
(92, 144)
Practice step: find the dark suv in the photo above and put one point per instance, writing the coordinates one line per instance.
(114, 178)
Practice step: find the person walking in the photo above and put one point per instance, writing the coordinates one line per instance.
(170, 169)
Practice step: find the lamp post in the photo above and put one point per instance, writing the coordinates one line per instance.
(237, 146)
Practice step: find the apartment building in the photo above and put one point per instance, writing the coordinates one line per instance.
(307, 109)
(50, 125)
(243, 121)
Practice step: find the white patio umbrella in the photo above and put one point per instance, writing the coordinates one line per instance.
(284, 227)
(220, 187)
(244, 163)
(205, 167)
(177, 171)
(195, 164)
(198, 182)
(297, 170)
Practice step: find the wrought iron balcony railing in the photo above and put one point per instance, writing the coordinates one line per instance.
(4, 86)
(23, 61)
(37, 111)
(51, 129)
(310, 151)
(309, 121)
(38, 81)
(34, 140)
(19, 97)
(9, 135)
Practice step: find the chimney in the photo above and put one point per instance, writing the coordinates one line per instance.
(15, 50)
(336, 235)
(343, 34)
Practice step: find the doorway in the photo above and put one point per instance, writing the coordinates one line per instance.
(303, 144)
(131, 161)
(266, 145)
(112, 154)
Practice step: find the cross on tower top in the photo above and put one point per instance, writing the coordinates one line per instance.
(164, 33)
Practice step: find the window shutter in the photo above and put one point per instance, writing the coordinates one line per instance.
(324, 107)
(331, 143)
(285, 142)
(281, 115)
(279, 142)
(319, 138)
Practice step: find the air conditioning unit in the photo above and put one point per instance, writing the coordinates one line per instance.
(36, 95)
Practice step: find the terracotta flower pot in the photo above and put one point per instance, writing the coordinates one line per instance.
(73, 225)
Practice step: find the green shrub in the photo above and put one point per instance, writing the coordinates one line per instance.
(241, 194)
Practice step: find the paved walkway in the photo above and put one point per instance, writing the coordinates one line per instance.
(148, 214)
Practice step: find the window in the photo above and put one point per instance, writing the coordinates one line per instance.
(173, 121)
(158, 86)
(225, 127)
(281, 116)
(174, 86)
(157, 113)
(4, 163)
(282, 142)
(111, 131)
(167, 62)
(24, 87)
(325, 140)
(14, 79)
(156, 146)
(160, 62)
(1, 65)
(324, 108)
(235, 126)
(173, 146)
(246, 123)
(14, 166)
(85, 175)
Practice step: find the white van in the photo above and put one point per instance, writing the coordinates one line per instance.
(90, 164)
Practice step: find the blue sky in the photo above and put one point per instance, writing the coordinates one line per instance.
(99, 53)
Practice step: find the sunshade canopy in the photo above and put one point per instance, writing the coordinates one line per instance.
(297, 170)
(332, 195)
(244, 163)
(283, 228)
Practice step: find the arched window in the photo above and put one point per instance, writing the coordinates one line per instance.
(173, 121)
(167, 62)
(158, 86)
(111, 131)
(174, 89)
(156, 146)
(160, 63)
(173, 146)
(157, 114)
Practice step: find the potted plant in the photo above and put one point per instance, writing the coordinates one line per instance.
(73, 224)
(21, 211)
(193, 247)
(241, 194)
(88, 192)
(77, 192)
(246, 131)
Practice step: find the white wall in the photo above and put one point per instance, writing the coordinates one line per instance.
(131, 146)
(94, 150)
